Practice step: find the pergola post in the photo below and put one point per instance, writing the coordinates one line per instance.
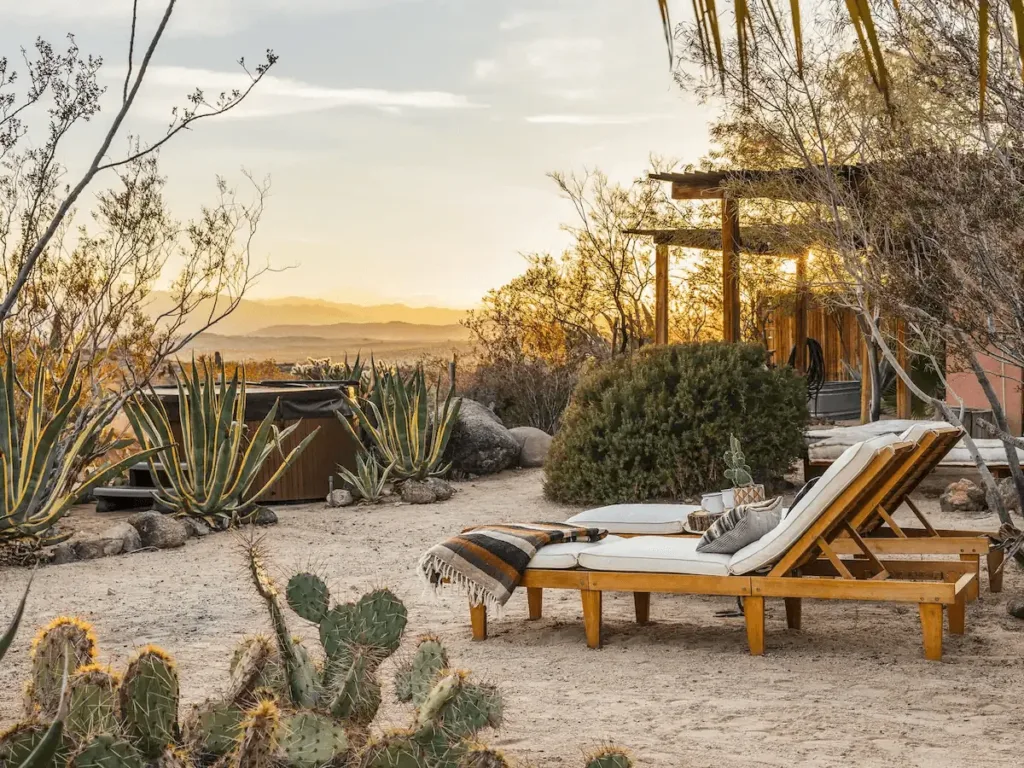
(904, 408)
(865, 381)
(800, 312)
(661, 294)
(730, 270)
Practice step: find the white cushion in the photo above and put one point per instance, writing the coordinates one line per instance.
(559, 557)
(636, 518)
(916, 433)
(801, 517)
(654, 554)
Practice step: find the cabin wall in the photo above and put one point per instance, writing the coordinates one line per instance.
(1006, 380)
(835, 329)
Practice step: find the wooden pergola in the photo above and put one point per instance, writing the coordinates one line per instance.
(733, 240)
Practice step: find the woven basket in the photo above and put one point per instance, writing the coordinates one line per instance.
(701, 520)
(748, 494)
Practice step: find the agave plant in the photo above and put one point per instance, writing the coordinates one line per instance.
(211, 471)
(44, 442)
(368, 480)
(402, 428)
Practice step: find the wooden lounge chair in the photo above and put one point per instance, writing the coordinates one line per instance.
(882, 534)
(785, 563)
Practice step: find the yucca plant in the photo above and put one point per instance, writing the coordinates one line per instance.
(402, 428)
(44, 442)
(211, 471)
(368, 480)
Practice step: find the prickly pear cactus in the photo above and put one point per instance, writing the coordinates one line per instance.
(356, 691)
(65, 641)
(609, 757)
(308, 740)
(255, 664)
(483, 757)
(17, 743)
(107, 751)
(212, 729)
(415, 677)
(460, 708)
(258, 743)
(148, 701)
(377, 620)
(395, 749)
(308, 596)
(737, 469)
(93, 702)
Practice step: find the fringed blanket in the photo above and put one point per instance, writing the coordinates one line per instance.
(488, 562)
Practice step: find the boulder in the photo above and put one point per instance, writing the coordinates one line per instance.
(442, 489)
(63, 553)
(534, 445)
(158, 530)
(479, 443)
(963, 496)
(340, 498)
(263, 516)
(1015, 607)
(115, 540)
(196, 527)
(417, 492)
(1008, 490)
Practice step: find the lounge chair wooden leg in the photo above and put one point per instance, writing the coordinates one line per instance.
(994, 560)
(535, 599)
(957, 614)
(794, 610)
(931, 629)
(592, 616)
(975, 588)
(478, 620)
(753, 610)
(642, 603)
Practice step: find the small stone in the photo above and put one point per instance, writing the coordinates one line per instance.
(388, 489)
(196, 527)
(442, 489)
(62, 554)
(963, 496)
(416, 492)
(263, 516)
(340, 498)
(1016, 607)
(129, 537)
(159, 531)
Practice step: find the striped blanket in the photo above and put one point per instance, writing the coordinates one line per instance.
(488, 562)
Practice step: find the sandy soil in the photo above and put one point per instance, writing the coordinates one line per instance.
(851, 688)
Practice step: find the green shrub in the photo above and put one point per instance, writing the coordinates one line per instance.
(657, 426)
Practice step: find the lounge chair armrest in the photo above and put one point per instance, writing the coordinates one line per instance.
(963, 582)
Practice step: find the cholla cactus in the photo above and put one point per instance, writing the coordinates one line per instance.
(322, 369)
(737, 469)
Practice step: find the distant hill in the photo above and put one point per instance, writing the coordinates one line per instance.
(254, 315)
(292, 349)
(394, 331)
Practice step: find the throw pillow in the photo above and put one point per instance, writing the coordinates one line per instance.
(741, 526)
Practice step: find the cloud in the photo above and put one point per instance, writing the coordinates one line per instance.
(548, 59)
(165, 87)
(521, 19)
(591, 119)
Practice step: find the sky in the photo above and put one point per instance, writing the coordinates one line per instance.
(407, 141)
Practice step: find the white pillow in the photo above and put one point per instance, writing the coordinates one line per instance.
(636, 518)
(800, 518)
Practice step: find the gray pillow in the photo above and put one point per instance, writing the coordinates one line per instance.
(740, 526)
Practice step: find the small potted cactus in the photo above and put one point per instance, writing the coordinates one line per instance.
(743, 490)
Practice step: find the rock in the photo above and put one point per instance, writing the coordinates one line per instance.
(534, 445)
(263, 516)
(196, 527)
(442, 489)
(479, 443)
(90, 549)
(388, 489)
(340, 498)
(62, 554)
(129, 537)
(1008, 490)
(416, 492)
(158, 530)
(1015, 607)
(963, 496)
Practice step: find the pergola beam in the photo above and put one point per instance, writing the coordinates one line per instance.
(758, 241)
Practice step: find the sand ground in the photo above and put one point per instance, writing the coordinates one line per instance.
(850, 688)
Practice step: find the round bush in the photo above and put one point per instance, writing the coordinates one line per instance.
(657, 426)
